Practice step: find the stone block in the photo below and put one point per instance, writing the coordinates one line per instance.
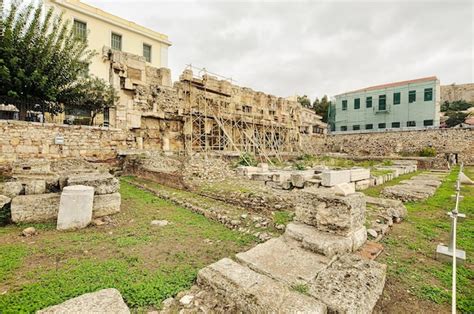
(298, 180)
(35, 208)
(31, 166)
(102, 301)
(35, 187)
(333, 177)
(103, 183)
(252, 292)
(13, 188)
(359, 237)
(281, 176)
(261, 177)
(362, 185)
(293, 264)
(75, 208)
(106, 204)
(393, 208)
(358, 174)
(263, 166)
(312, 182)
(344, 189)
(350, 285)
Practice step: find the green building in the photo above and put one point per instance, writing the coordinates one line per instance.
(413, 104)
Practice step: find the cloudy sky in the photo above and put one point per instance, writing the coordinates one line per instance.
(313, 47)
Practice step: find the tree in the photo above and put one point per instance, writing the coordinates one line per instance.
(40, 56)
(321, 107)
(455, 118)
(457, 105)
(304, 101)
(92, 94)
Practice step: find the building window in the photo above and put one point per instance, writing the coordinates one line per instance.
(382, 102)
(428, 122)
(343, 128)
(411, 123)
(396, 98)
(247, 109)
(382, 125)
(369, 126)
(147, 52)
(116, 41)
(357, 103)
(344, 105)
(368, 102)
(428, 94)
(356, 127)
(80, 29)
(411, 96)
(395, 125)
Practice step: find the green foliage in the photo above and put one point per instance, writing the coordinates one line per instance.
(282, 217)
(427, 152)
(458, 105)
(304, 101)
(91, 93)
(301, 288)
(455, 118)
(247, 159)
(40, 56)
(322, 107)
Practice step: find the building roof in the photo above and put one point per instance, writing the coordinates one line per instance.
(394, 84)
(81, 7)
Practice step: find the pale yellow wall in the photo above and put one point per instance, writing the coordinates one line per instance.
(100, 32)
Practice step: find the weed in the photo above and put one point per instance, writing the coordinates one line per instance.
(282, 217)
(301, 288)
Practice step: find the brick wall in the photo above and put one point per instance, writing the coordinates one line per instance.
(19, 139)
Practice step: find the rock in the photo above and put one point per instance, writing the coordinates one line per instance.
(244, 216)
(4, 201)
(167, 302)
(363, 184)
(102, 301)
(344, 189)
(35, 208)
(75, 207)
(372, 233)
(186, 300)
(103, 183)
(106, 204)
(280, 227)
(333, 177)
(264, 236)
(159, 223)
(235, 222)
(35, 187)
(12, 188)
(263, 166)
(28, 232)
(99, 222)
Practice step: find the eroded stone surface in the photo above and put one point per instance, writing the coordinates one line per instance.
(106, 204)
(35, 208)
(253, 292)
(103, 183)
(75, 207)
(102, 301)
(333, 177)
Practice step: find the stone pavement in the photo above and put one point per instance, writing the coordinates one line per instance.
(417, 188)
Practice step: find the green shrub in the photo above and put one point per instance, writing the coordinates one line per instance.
(247, 159)
(427, 152)
(300, 166)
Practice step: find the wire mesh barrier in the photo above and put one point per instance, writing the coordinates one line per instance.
(450, 252)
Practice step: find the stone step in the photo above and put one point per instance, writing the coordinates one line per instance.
(323, 242)
(284, 260)
(350, 285)
(252, 292)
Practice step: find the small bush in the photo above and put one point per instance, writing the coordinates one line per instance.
(427, 152)
(247, 159)
(300, 166)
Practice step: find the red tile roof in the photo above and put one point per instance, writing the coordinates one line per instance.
(395, 84)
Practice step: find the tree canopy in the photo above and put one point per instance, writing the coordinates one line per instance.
(321, 107)
(40, 56)
(304, 101)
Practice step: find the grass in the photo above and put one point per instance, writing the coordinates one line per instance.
(410, 248)
(282, 217)
(301, 288)
(375, 191)
(147, 264)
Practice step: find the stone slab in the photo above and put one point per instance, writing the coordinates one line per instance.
(13, 188)
(407, 193)
(252, 292)
(393, 208)
(103, 183)
(363, 184)
(106, 204)
(107, 301)
(35, 208)
(433, 183)
(350, 285)
(75, 207)
(261, 176)
(284, 261)
(4, 201)
(333, 177)
(35, 187)
(358, 174)
(344, 189)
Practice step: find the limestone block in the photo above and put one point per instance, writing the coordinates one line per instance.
(252, 292)
(35, 187)
(75, 207)
(393, 208)
(106, 204)
(281, 176)
(103, 183)
(312, 182)
(359, 237)
(31, 166)
(362, 184)
(305, 265)
(4, 202)
(358, 174)
(102, 301)
(350, 285)
(35, 208)
(12, 188)
(298, 180)
(261, 176)
(344, 189)
(333, 177)
(263, 166)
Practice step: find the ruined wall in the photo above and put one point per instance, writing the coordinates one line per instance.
(19, 139)
(460, 141)
(457, 92)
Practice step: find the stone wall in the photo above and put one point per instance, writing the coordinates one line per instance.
(445, 141)
(19, 139)
(455, 92)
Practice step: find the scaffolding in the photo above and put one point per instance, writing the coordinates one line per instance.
(213, 123)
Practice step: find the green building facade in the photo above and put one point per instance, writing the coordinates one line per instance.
(406, 105)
